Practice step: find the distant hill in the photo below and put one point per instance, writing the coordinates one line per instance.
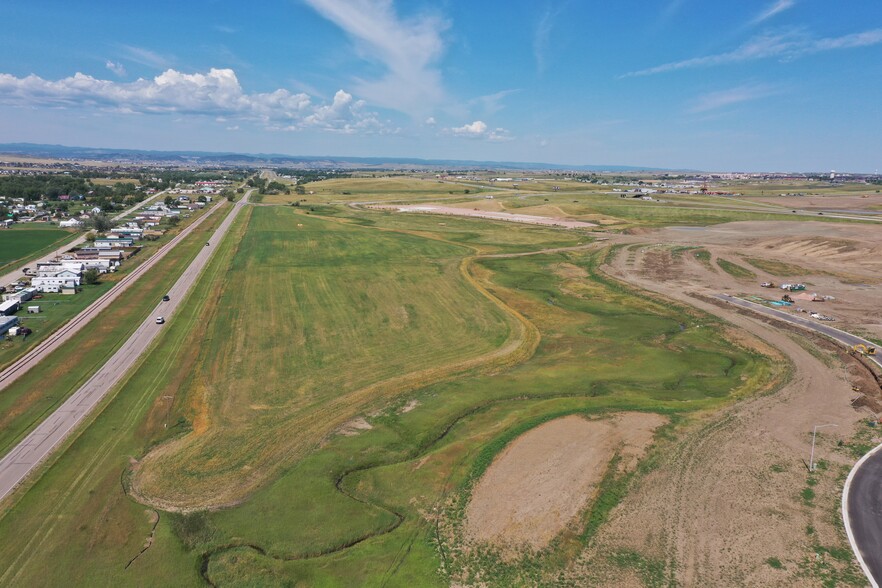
(276, 159)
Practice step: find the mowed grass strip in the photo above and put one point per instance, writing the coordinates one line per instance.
(321, 320)
(739, 272)
(34, 395)
(19, 244)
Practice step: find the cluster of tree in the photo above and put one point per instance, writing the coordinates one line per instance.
(51, 186)
(306, 176)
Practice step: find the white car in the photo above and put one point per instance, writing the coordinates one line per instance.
(160, 320)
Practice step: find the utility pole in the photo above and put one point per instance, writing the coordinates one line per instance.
(814, 434)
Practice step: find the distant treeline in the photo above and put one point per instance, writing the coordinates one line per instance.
(306, 176)
(51, 186)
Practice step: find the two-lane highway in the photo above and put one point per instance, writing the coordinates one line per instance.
(51, 433)
(20, 366)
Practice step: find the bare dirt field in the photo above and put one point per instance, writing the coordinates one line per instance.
(868, 201)
(732, 501)
(545, 478)
(833, 259)
(492, 215)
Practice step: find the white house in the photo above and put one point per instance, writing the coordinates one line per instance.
(71, 223)
(50, 282)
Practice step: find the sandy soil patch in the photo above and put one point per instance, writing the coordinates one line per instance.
(354, 427)
(412, 404)
(491, 215)
(546, 477)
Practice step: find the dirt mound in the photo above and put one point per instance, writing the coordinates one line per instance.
(546, 477)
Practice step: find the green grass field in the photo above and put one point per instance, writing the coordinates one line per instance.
(305, 322)
(24, 242)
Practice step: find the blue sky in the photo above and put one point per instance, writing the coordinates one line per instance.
(778, 85)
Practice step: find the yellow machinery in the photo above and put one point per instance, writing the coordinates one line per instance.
(864, 350)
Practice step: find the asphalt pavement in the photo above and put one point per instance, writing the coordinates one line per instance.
(825, 328)
(862, 513)
(25, 457)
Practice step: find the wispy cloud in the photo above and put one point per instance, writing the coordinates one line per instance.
(408, 48)
(776, 7)
(731, 96)
(116, 68)
(146, 57)
(542, 36)
(225, 29)
(217, 93)
(492, 103)
(480, 130)
(785, 46)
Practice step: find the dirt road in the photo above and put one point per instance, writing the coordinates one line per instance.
(25, 457)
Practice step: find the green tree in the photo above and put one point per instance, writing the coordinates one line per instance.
(91, 276)
(101, 223)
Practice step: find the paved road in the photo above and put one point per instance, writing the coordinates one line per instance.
(19, 367)
(862, 494)
(862, 513)
(42, 441)
(17, 272)
(846, 339)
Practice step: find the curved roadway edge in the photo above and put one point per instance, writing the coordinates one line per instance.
(866, 488)
(861, 496)
(50, 434)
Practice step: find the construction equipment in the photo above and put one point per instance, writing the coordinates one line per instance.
(864, 349)
(786, 298)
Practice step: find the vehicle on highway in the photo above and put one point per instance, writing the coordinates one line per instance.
(207, 243)
(160, 320)
(166, 298)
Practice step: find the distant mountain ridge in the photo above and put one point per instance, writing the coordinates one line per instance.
(277, 159)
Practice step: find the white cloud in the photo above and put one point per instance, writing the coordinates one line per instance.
(771, 10)
(480, 130)
(216, 93)
(784, 46)
(409, 50)
(116, 68)
(430, 121)
(723, 98)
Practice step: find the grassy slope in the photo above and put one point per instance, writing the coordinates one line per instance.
(22, 243)
(319, 315)
(38, 392)
(602, 348)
